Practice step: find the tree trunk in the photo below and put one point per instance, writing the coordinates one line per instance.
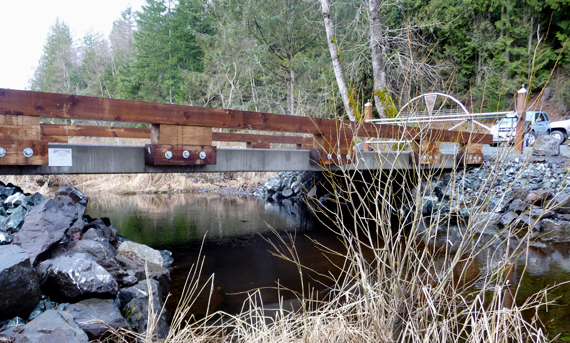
(334, 50)
(378, 65)
(290, 94)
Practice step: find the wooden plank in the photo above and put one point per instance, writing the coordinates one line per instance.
(260, 145)
(14, 152)
(255, 138)
(19, 127)
(56, 139)
(93, 131)
(82, 107)
(179, 135)
(156, 154)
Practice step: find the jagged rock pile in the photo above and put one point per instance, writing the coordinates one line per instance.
(294, 186)
(65, 277)
(516, 192)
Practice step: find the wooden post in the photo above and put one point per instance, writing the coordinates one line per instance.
(367, 116)
(519, 138)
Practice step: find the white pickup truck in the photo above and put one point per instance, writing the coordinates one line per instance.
(560, 129)
(537, 124)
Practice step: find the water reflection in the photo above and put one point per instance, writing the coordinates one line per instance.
(238, 255)
(168, 220)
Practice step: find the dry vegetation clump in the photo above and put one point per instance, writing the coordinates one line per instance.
(141, 183)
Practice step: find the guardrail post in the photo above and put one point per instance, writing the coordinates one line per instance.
(367, 116)
(519, 138)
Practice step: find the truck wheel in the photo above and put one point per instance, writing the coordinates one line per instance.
(558, 135)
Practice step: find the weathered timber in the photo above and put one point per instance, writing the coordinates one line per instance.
(260, 145)
(180, 155)
(180, 134)
(14, 150)
(93, 131)
(18, 127)
(56, 139)
(17, 102)
(49, 131)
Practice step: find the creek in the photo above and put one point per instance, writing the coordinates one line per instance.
(233, 233)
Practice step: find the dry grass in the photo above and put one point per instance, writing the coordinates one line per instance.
(405, 277)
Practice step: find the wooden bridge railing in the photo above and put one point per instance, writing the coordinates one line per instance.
(183, 135)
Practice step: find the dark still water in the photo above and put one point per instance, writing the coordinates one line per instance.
(236, 247)
(237, 252)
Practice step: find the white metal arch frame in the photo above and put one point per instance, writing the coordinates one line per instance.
(461, 117)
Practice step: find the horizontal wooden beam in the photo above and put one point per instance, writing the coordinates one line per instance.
(93, 131)
(49, 130)
(18, 102)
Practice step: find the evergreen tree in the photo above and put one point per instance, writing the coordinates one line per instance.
(57, 68)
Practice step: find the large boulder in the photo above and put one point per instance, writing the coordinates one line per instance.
(144, 252)
(47, 223)
(100, 250)
(52, 326)
(101, 229)
(135, 302)
(546, 146)
(96, 316)
(19, 283)
(75, 276)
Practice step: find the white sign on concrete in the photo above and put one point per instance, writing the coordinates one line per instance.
(59, 158)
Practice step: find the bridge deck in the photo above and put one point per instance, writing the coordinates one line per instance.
(114, 159)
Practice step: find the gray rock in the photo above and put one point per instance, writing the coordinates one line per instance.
(73, 193)
(34, 199)
(5, 238)
(429, 205)
(518, 206)
(142, 251)
(16, 219)
(277, 197)
(313, 192)
(16, 200)
(6, 191)
(41, 307)
(287, 192)
(135, 307)
(135, 267)
(562, 203)
(75, 276)
(546, 146)
(508, 217)
(166, 258)
(274, 184)
(296, 187)
(549, 225)
(15, 322)
(94, 235)
(101, 251)
(19, 283)
(104, 230)
(50, 327)
(46, 225)
(96, 316)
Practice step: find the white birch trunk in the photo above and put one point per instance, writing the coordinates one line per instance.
(337, 66)
(377, 51)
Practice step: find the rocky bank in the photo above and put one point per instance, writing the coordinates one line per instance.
(66, 277)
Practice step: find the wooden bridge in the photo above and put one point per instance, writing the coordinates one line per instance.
(181, 139)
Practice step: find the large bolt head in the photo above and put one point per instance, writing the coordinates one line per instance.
(168, 154)
(28, 152)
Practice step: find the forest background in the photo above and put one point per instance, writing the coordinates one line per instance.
(272, 55)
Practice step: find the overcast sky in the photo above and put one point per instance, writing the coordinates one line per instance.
(24, 25)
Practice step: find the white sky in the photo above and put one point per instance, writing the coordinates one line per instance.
(24, 25)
